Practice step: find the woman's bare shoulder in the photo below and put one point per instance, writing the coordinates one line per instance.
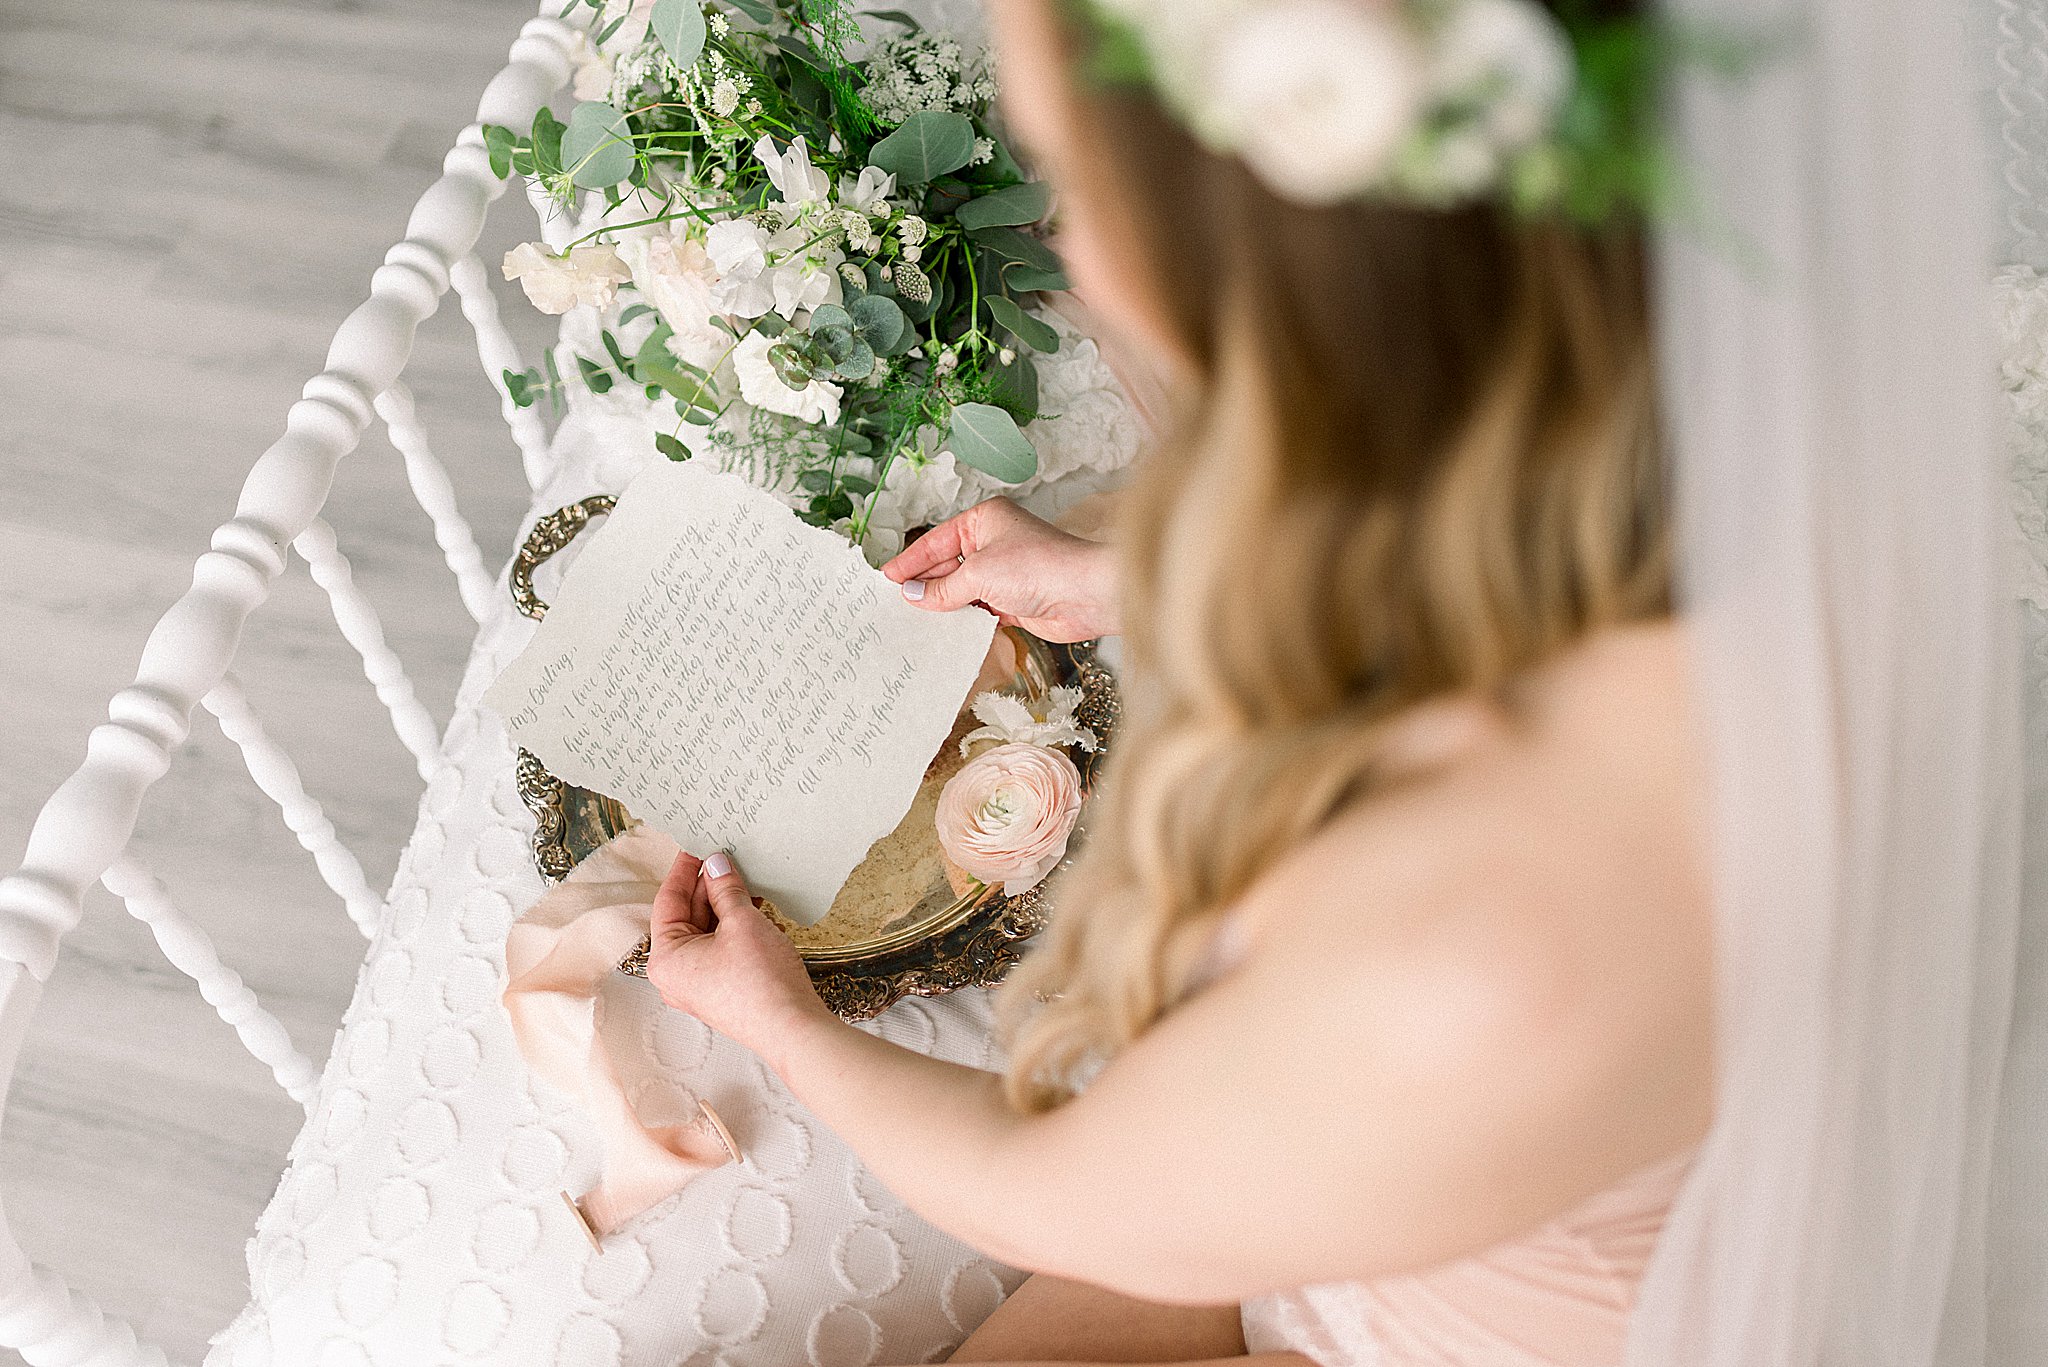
(1574, 808)
(1538, 899)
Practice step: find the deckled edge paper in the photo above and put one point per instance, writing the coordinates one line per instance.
(741, 680)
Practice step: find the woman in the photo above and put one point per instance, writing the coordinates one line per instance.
(1387, 967)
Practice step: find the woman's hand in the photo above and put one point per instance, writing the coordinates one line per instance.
(715, 955)
(1026, 571)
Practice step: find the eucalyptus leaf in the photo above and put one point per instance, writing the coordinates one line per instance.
(855, 485)
(837, 343)
(678, 25)
(654, 349)
(594, 375)
(1020, 247)
(1011, 206)
(1014, 387)
(988, 438)
(1026, 279)
(611, 345)
(1000, 169)
(894, 16)
(670, 447)
(859, 364)
(925, 147)
(597, 149)
(1035, 333)
(801, 50)
(880, 322)
(790, 366)
(547, 144)
(687, 390)
(830, 316)
(817, 481)
(500, 142)
(756, 10)
(632, 311)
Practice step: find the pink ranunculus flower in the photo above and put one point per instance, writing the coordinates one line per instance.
(1005, 817)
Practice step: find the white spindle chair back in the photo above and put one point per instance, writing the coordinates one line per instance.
(83, 832)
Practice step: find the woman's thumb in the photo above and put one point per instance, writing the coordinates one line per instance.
(945, 593)
(725, 887)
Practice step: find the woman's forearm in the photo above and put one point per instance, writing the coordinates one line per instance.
(935, 1133)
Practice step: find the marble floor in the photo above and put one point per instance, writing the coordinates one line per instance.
(196, 192)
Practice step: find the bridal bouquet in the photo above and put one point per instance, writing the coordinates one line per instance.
(835, 261)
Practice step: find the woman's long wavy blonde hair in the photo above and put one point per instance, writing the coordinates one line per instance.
(1420, 459)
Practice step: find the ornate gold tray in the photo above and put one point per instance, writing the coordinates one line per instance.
(899, 928)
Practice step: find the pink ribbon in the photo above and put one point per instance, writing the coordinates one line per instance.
(557, 956)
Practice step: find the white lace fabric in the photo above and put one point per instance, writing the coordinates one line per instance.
(421, 1219)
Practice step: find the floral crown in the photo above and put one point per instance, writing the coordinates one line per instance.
(1434, 103)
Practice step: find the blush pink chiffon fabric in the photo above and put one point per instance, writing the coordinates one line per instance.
(1559, 1297)
(557, 957)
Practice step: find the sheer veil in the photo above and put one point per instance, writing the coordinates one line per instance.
(1872, 1192)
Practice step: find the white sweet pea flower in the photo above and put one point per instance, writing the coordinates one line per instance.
(801, 276)
(1315, 95)
(675, 275)
(791, 172)
(634, 29)
(869, 194)
(817, 402)
(589, 274)
(738, 250)
(1009, 720)
(591, 69)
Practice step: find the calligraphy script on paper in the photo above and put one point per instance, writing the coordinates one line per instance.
(741, 680)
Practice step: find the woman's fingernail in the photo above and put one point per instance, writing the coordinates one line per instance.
(913, 589)
(718, 865)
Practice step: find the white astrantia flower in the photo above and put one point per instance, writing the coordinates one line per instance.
(1316, 95)
(859, 231)
(1011, 720)
(817, 402)
(589, 274)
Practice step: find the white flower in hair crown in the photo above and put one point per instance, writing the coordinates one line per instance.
(1433, 102)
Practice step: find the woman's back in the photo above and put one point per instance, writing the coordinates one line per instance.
(1521, 916)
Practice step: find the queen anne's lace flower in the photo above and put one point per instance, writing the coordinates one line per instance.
(921, 74)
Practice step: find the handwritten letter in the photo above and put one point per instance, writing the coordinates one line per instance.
(741, 680)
